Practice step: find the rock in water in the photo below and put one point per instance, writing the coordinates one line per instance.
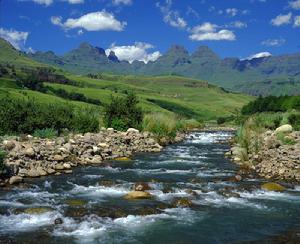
(183, 202)
(137, 195)
(272, 187)
(58, 221)
(284, 129)
(15, 180)
(141, 186)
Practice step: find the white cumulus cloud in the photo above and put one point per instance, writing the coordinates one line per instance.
(209, 32)
(170, 16)
(282, 19)
(295, 4)
(260, 55)
(16, 38)
(122, 2)
(297, 21)
(138, 51)
(273, 42)
(96, 21)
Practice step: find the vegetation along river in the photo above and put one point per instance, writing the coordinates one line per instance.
(88, 206)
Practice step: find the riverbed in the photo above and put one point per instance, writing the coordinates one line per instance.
(88, 206)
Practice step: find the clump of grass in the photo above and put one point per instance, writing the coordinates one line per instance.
(45, 133)
(191, 124)
(285, 139)
(248, 135)
(162, 125)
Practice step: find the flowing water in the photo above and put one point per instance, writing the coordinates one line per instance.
(100, 214)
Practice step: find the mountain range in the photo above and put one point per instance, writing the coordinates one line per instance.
(273, 75)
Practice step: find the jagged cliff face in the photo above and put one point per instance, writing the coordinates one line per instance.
(231, 73)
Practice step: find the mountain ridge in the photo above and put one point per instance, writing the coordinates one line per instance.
(272, 74)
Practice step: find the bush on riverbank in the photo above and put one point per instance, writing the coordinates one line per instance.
(272, 104)
(19, 116)
(2, 157)
(249, 135)
(162, 125)
(123, 113)
(294, 120)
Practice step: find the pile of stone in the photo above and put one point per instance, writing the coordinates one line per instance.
(35, 157)
(276, 157)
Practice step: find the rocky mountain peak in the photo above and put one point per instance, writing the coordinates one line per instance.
(205, 52)
(113, 57)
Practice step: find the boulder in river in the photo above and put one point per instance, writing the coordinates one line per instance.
(141, 186)
(15, 179)
(58, 221)
(271, 186)
(137, 195)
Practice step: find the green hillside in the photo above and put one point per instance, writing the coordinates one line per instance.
(189, 98)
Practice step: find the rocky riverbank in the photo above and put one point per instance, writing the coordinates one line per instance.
(35, 157)
(272, 154)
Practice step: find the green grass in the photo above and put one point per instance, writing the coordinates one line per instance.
(187, 97)
(170, 95)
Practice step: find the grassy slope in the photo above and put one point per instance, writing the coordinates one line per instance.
(9, 55)
(207, 102)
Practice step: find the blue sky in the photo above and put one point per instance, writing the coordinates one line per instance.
(144, 29)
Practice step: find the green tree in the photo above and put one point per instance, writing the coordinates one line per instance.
(123, 113)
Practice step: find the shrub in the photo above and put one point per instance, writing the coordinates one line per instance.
(162, 125)
(221, 120)
(272, 104)
(294, 120)
(27, 116)
(45, 133)
(123, 113)
(2, 157)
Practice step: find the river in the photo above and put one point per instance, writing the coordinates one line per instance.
(91, 207)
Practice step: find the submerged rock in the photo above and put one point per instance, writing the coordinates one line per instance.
(76, 202)
(137, 195)
(183, 202)
(122, 159)
(272, 187)
(37, 210)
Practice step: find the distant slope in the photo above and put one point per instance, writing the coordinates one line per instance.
(204, 64)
